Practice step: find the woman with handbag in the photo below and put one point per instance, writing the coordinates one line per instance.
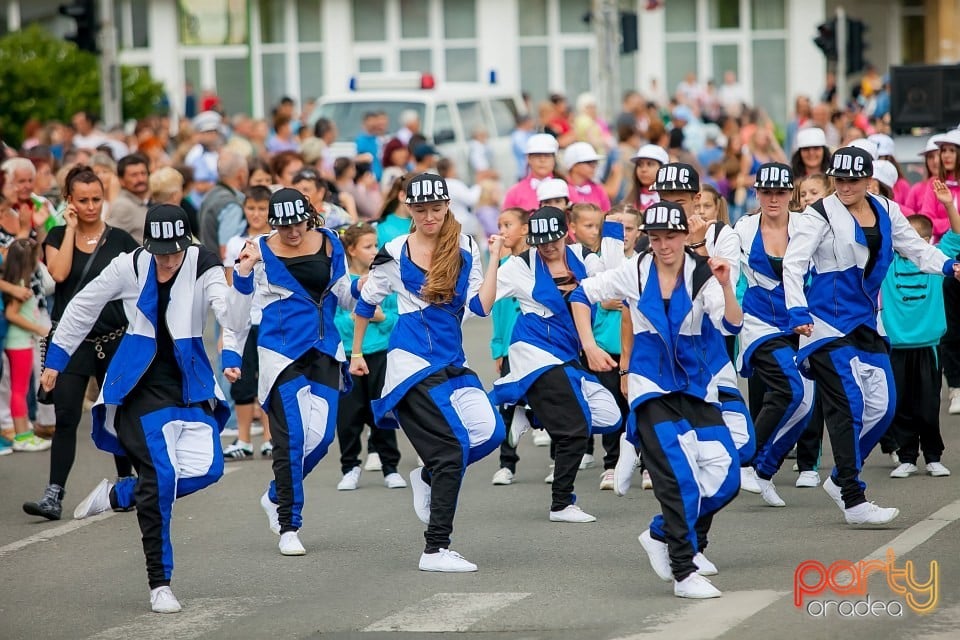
(93, 245)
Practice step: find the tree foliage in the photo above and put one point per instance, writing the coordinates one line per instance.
(45, 78)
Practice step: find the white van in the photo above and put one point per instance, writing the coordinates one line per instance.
(448, 116)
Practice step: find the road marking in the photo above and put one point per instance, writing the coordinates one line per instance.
(708, 619)
(447, 612)
(63, 529)
(200, 617)
(712, 618)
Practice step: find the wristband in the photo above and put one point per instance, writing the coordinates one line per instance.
(624, 372)
(356, 355)
(697, 245)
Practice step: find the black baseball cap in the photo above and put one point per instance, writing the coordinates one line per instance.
(677, 176)
(547, 224)
(288, 206)
(423, 150)
(166, 230)
(664, 216)
(850, 162)
(427, 187)
(774, 175)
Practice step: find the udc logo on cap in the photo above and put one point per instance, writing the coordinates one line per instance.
(677, 176)
(547, 224)
(168, 230)
(664, 216)
(288, 207)
(427, 187)
(774, 175)
(851, 162)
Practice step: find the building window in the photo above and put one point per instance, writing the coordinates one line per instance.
(726, 57)
(724, 14)
(311, 75)
(769, 79)
(309, 27)
(460, 18)
(369, 20)
(414, 19)
(461, 65)
(417, 60)
(534, 72)
(767, 14)
(576, 72)
(213, 22)
(572, 13)
(233, 84)
(680, 16)
(532, 17)
(272, 22)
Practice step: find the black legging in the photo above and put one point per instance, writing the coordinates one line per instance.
(68, 397)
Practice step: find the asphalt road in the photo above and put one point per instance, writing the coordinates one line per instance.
(75, 580)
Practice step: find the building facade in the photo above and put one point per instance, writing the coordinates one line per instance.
(252, 52)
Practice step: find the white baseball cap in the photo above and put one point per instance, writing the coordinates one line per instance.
(552, 188)
(652, 152)
(867, 145)
(885, 172)
(885, 146)
(931, 145)
(951, 137)
(542, 143)
(580, 152)
(811, 137)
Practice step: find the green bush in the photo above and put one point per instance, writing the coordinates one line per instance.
(46, 78)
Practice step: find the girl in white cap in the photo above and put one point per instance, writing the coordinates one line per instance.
(580, 161)
(931, 171)
(950, 175)
(429, 392)
(542, 161)
(647, 161)
(812, 154)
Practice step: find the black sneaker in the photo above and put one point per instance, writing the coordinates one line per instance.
(50, 506)
(266, 449)
(237, 452)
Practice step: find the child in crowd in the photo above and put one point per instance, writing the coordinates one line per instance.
(360, 244)
(711, 206)
(487, 210)
(913, 317)
(244, 391)
(25, 325)
(580, 160)
(513, 227)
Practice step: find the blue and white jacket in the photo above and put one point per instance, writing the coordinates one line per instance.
(292, 323)
(544, 335)
(131, 277)
(764, 304)
(669, 354)
(841, 296)
(427, 337)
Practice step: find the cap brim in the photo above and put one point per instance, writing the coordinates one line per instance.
(287, 222)
(166, 247)
(663, 227)
(545, 238)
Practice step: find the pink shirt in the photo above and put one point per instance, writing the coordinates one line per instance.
(523, 194)
(901, 190)
(590, 192)
(915, 196)
(931, 207)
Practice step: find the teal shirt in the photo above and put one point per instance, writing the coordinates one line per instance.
(912, 305)
(606, 330)
(393, 226)
(377, 338)
(504, 314)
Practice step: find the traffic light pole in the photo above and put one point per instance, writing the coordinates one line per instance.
(110, 87)
(606, 24)
(841, 73)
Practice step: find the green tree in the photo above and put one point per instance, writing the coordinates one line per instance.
(50, 79)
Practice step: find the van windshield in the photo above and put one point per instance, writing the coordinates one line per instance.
(348, 116)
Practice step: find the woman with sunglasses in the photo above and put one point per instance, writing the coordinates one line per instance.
(846, 241)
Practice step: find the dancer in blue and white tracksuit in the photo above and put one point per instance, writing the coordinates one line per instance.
(680, 183)
(429, 392)
(676, 418)
(160, 404)
(768, 345)
(545, 370)
(850, 238)
(303, 369)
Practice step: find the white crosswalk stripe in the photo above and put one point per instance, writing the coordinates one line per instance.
(450, 612)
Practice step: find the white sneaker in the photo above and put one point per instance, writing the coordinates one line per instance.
(834, 492)
(162, 600)
(658, 555)
(97, 501)
(503, 477)
(446, 561)
(350, 480)
(894, 459)
(626, 466)
(31, 444)
(519, 425)
(905, 470)
(549, 478)
(954, 402)
(695, 586)
(541, 438)
(269, 508)
(229, 432)
(937, 470)
(586, 461)
(796, 467)
(808, 479)
(870, 513)
(256, 428)
(704, 566)
(421, 495)
(606, 480)
(748, 480)
(394, 481)
(769, 494)
(646, 482)
(373, 463)
(571, 513)
(290, 544)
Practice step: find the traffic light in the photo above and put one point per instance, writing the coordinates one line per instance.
(628, 32)
(826, 39)
(855, 46)
(84, 12)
